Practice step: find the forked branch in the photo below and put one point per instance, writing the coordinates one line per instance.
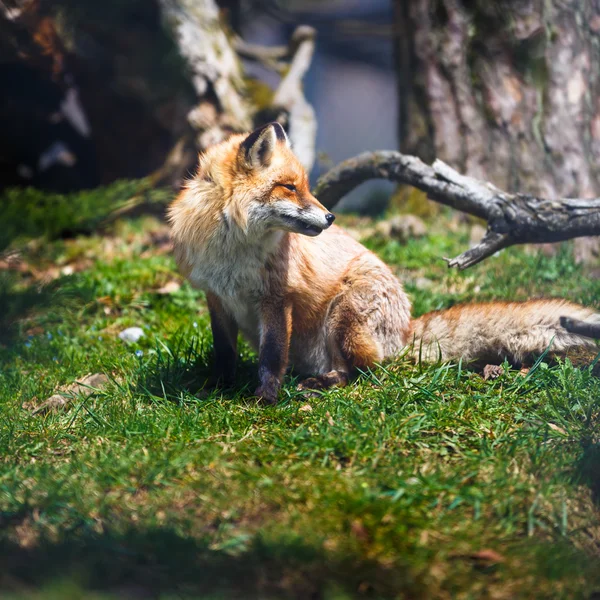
(289, 99)
(512, 218)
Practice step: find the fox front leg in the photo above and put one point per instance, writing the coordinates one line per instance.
(224, 330)
(275, 332)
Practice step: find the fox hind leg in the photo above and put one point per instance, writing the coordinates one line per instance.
(350, 346)
(338, 376)
(368, 321)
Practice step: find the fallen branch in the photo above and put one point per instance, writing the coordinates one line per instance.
(512, 218)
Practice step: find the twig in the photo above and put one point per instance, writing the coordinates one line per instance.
(512, 218)
(270, 56)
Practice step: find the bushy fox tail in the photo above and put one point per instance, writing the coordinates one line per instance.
(515, 331)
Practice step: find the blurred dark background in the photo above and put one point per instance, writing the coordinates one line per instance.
(98, 91)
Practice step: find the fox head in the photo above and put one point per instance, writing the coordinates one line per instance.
(270, 187)
(252, 184)
(248, 185)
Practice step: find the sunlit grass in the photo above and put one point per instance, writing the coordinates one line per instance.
(415, 481)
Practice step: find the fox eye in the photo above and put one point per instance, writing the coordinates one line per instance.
(288, 186)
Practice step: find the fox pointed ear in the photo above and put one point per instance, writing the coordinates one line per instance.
(257, 149)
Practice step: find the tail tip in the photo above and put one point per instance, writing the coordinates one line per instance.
(584, 328)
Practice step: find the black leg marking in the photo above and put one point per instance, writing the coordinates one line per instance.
(224, 330)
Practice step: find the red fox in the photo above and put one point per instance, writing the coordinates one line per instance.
(247, 231)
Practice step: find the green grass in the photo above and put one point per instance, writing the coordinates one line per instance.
(396, 487)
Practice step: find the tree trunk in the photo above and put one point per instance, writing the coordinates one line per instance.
(214, 68)
(507, 91)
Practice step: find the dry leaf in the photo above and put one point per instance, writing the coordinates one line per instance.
(305, 408)
(37, 330)
(330, 419)
(488, 556)
(492, 372)
(13, 262)
(64, 395)
(169, 288)
(557, 428)
(359, 530)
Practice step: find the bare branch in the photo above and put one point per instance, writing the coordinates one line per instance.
(489, 245)
(512, 218)
(269, 56)
(290, 96)
(289, 100)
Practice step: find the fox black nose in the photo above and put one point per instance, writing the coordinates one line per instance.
(330, 218)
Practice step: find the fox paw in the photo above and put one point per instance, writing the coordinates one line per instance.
(323, 382)
(267, 394)
(310, 388)
(312, 383)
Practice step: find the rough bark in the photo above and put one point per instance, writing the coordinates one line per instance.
(507, 91)
(513, 218)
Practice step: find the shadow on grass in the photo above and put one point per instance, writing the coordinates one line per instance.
(149, 564)
(186, 365)
(587, 469)
(19, 301)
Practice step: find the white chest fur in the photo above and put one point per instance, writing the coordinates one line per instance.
(233, 268)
